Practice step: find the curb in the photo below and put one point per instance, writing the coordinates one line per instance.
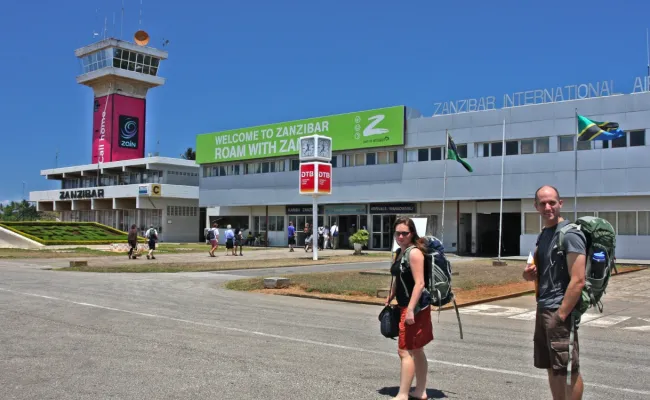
(444, 308)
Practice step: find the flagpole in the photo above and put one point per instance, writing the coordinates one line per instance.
(575, 171)
(444, 187)
(503, 157)
(647, 46)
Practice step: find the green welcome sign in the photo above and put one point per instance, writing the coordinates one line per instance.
(358, 130)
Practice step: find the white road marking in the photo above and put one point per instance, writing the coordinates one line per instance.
(527, 316)
(325, 344)
(642, 328)
(493, 310)
(605, 322)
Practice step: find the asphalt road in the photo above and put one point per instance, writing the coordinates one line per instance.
(67, 335)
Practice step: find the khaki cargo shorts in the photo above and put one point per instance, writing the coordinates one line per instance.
(552, 343)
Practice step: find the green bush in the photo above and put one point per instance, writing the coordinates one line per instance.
(67, 233)
(361, 236)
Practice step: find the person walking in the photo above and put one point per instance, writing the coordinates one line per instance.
(152, 236)
(238, 241)
(230, 240)
(415, 326)
(334, 233)
(291, 230)
(213, 237)
(559, 280)
(133, 242)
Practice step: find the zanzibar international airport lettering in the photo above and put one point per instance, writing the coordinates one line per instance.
(237, 146)
(537, 96)
(81, 194)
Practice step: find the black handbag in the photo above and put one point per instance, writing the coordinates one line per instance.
(389, 319)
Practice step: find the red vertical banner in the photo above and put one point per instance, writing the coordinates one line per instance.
(307, 178)
(324, 178)
(102, 129)
(118, 128)
(128, 128)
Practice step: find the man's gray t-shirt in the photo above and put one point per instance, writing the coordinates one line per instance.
(553, 273)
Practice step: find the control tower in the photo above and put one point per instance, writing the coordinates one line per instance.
(120, 74)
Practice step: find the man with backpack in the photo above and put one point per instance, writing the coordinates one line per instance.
(152, 237)
(560, 277)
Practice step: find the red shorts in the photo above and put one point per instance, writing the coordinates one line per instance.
(417, 335)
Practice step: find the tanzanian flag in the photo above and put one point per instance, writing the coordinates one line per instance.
(592, 130)
(452, 154)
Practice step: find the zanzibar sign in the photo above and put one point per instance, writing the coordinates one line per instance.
(537, 96)
(81, 194)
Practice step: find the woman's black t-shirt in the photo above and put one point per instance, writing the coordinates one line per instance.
(407, 277)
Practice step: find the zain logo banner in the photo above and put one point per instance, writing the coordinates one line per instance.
(129, 132)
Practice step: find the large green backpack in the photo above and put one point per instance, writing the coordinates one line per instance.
(601, 239)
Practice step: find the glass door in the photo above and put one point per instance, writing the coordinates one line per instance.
(382, 231)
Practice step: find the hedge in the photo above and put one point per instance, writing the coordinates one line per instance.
(122, 236)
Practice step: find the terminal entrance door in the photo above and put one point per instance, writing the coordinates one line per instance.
(348, 226)
(382, 231)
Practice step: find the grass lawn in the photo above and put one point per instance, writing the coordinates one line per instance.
(476, 279)
(220, 264)
(66, 232)
(59, 253)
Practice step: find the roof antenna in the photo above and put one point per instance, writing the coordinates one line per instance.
(140, 21)
(122, 20)
(94, 32)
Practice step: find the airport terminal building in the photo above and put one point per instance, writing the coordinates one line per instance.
(394, 165)
(158, 191)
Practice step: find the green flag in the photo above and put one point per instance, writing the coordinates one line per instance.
(452, 154)
(593, 130)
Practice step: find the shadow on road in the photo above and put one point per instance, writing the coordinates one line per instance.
(393, 390)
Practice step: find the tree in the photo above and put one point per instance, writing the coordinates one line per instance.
(19, 211)
(189, 154)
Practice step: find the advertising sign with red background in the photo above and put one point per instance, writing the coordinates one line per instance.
(324, 178)
(102, 129)
(118, 128)
(307, 178)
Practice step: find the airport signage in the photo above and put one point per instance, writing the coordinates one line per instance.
(302, 210)
(537, 96)
(393, 208)
(358, 130)
(81, 194)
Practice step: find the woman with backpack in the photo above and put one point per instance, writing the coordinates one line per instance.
(415, 327)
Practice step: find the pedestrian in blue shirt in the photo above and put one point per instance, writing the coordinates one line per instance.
(292, 236)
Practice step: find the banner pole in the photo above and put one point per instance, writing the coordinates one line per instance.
(503, 154)
(575, 171)
(444, 187)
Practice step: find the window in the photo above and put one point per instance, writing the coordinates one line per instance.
(637, 138)
(294, 165)
(382, 157)
(436, 153)
(541, 145)
(462, 150)
(512, 147)
(334, 161)
(392, 157)
(359, 159)
(527, 146)
(532, 223)
(423, 155)
(496, 149)
(411, 155)
(627, 223)
(566, 143)
(584, 145)
(610, 216)
(265, 167)
(644, 223)
(371, 158)
(486, 149)
(620, 142)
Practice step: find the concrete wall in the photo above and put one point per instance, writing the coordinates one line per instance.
(180, 228)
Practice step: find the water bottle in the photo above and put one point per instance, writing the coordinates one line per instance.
(598, 265)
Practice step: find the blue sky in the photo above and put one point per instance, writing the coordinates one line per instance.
(243, 63)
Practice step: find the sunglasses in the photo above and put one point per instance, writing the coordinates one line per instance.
(402, 233)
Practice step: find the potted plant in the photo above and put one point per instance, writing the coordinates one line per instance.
(359, 239)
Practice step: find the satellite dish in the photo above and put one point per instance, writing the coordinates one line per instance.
(141, 37)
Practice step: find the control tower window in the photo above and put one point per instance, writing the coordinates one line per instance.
(94, 61)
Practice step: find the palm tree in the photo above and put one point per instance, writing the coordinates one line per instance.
(189, 154)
